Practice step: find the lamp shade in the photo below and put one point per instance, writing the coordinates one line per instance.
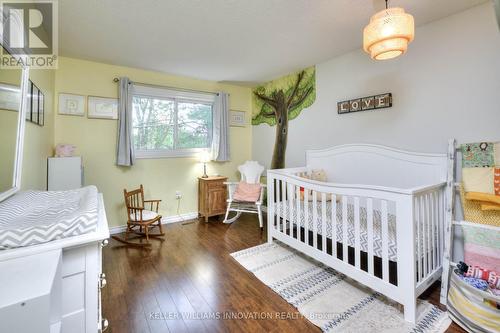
(388, 33)
(204, 156)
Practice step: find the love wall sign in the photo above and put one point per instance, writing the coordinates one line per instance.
(381, 101)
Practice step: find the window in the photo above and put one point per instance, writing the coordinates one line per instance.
(169, 123)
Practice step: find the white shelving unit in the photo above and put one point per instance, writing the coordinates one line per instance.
(448, 264)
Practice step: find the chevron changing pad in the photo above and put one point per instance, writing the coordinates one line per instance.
(34, 217)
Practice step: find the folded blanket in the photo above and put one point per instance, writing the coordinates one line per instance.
(478, 155)
(481, 174)
(489, 206)
(487, 201)
(482, 247)
(473, 213)
(478, 180)
(483, 197)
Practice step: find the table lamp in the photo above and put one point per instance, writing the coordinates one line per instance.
(204, 158)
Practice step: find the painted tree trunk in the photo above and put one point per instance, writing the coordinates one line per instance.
(278, 161)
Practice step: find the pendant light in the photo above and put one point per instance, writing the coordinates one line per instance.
(388, 34)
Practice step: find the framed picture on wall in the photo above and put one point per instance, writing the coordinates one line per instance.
(9, 97)
(34, 104)
(71, 104)
(102, 107)
(237, 118)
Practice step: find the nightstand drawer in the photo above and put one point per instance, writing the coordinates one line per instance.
(216, 185)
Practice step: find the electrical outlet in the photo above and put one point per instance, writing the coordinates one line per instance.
(178, 195)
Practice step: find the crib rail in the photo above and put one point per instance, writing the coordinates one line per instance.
(364, 232)
(429, 216)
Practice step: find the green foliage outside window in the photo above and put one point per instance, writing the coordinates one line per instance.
(168, 124)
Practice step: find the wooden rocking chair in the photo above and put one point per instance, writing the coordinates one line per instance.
(139, 219)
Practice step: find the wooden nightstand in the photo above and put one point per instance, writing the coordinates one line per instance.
(212, 195)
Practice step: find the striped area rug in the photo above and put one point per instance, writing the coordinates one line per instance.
(330, 299)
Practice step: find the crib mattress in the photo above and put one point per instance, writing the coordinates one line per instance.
(377, 226)
(35, 217)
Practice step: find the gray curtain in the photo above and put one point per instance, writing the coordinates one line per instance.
(220, 138)
(125, 148)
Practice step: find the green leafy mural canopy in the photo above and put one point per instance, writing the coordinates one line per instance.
(298, 88)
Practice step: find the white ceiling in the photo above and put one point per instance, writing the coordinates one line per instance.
(225, 40)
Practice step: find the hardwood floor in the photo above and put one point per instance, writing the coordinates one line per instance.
(191, 273)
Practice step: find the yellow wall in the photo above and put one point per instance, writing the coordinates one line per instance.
(96, 139)
(39, 140)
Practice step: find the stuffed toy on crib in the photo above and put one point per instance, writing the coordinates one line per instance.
(317, 175)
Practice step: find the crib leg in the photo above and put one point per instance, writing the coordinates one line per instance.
(407, 275)
(410, 310)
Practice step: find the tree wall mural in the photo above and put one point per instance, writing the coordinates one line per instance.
(279, 101)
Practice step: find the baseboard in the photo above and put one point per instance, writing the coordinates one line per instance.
(164, 220)
(179, 218)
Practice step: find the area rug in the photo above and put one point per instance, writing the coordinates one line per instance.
(330, 299)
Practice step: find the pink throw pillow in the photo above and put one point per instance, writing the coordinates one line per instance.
(247, 192)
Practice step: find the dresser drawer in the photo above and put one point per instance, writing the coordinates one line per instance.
(73, 293)
(73, 261)
(216, 185)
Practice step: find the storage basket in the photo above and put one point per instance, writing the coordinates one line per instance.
(471, 308)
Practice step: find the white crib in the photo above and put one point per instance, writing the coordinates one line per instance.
(379, 220)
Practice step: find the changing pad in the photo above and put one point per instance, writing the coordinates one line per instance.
(35, 217)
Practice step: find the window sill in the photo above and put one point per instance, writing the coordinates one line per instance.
(156, 154)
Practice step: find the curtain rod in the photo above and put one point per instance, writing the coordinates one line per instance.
(172, 88)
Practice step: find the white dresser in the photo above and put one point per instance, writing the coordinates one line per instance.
(75, 297)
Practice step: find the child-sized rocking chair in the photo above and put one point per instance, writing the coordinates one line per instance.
(139, 219)
(250, 172)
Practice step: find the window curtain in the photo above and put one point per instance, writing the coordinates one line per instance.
(220, 137)
(125, 148)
